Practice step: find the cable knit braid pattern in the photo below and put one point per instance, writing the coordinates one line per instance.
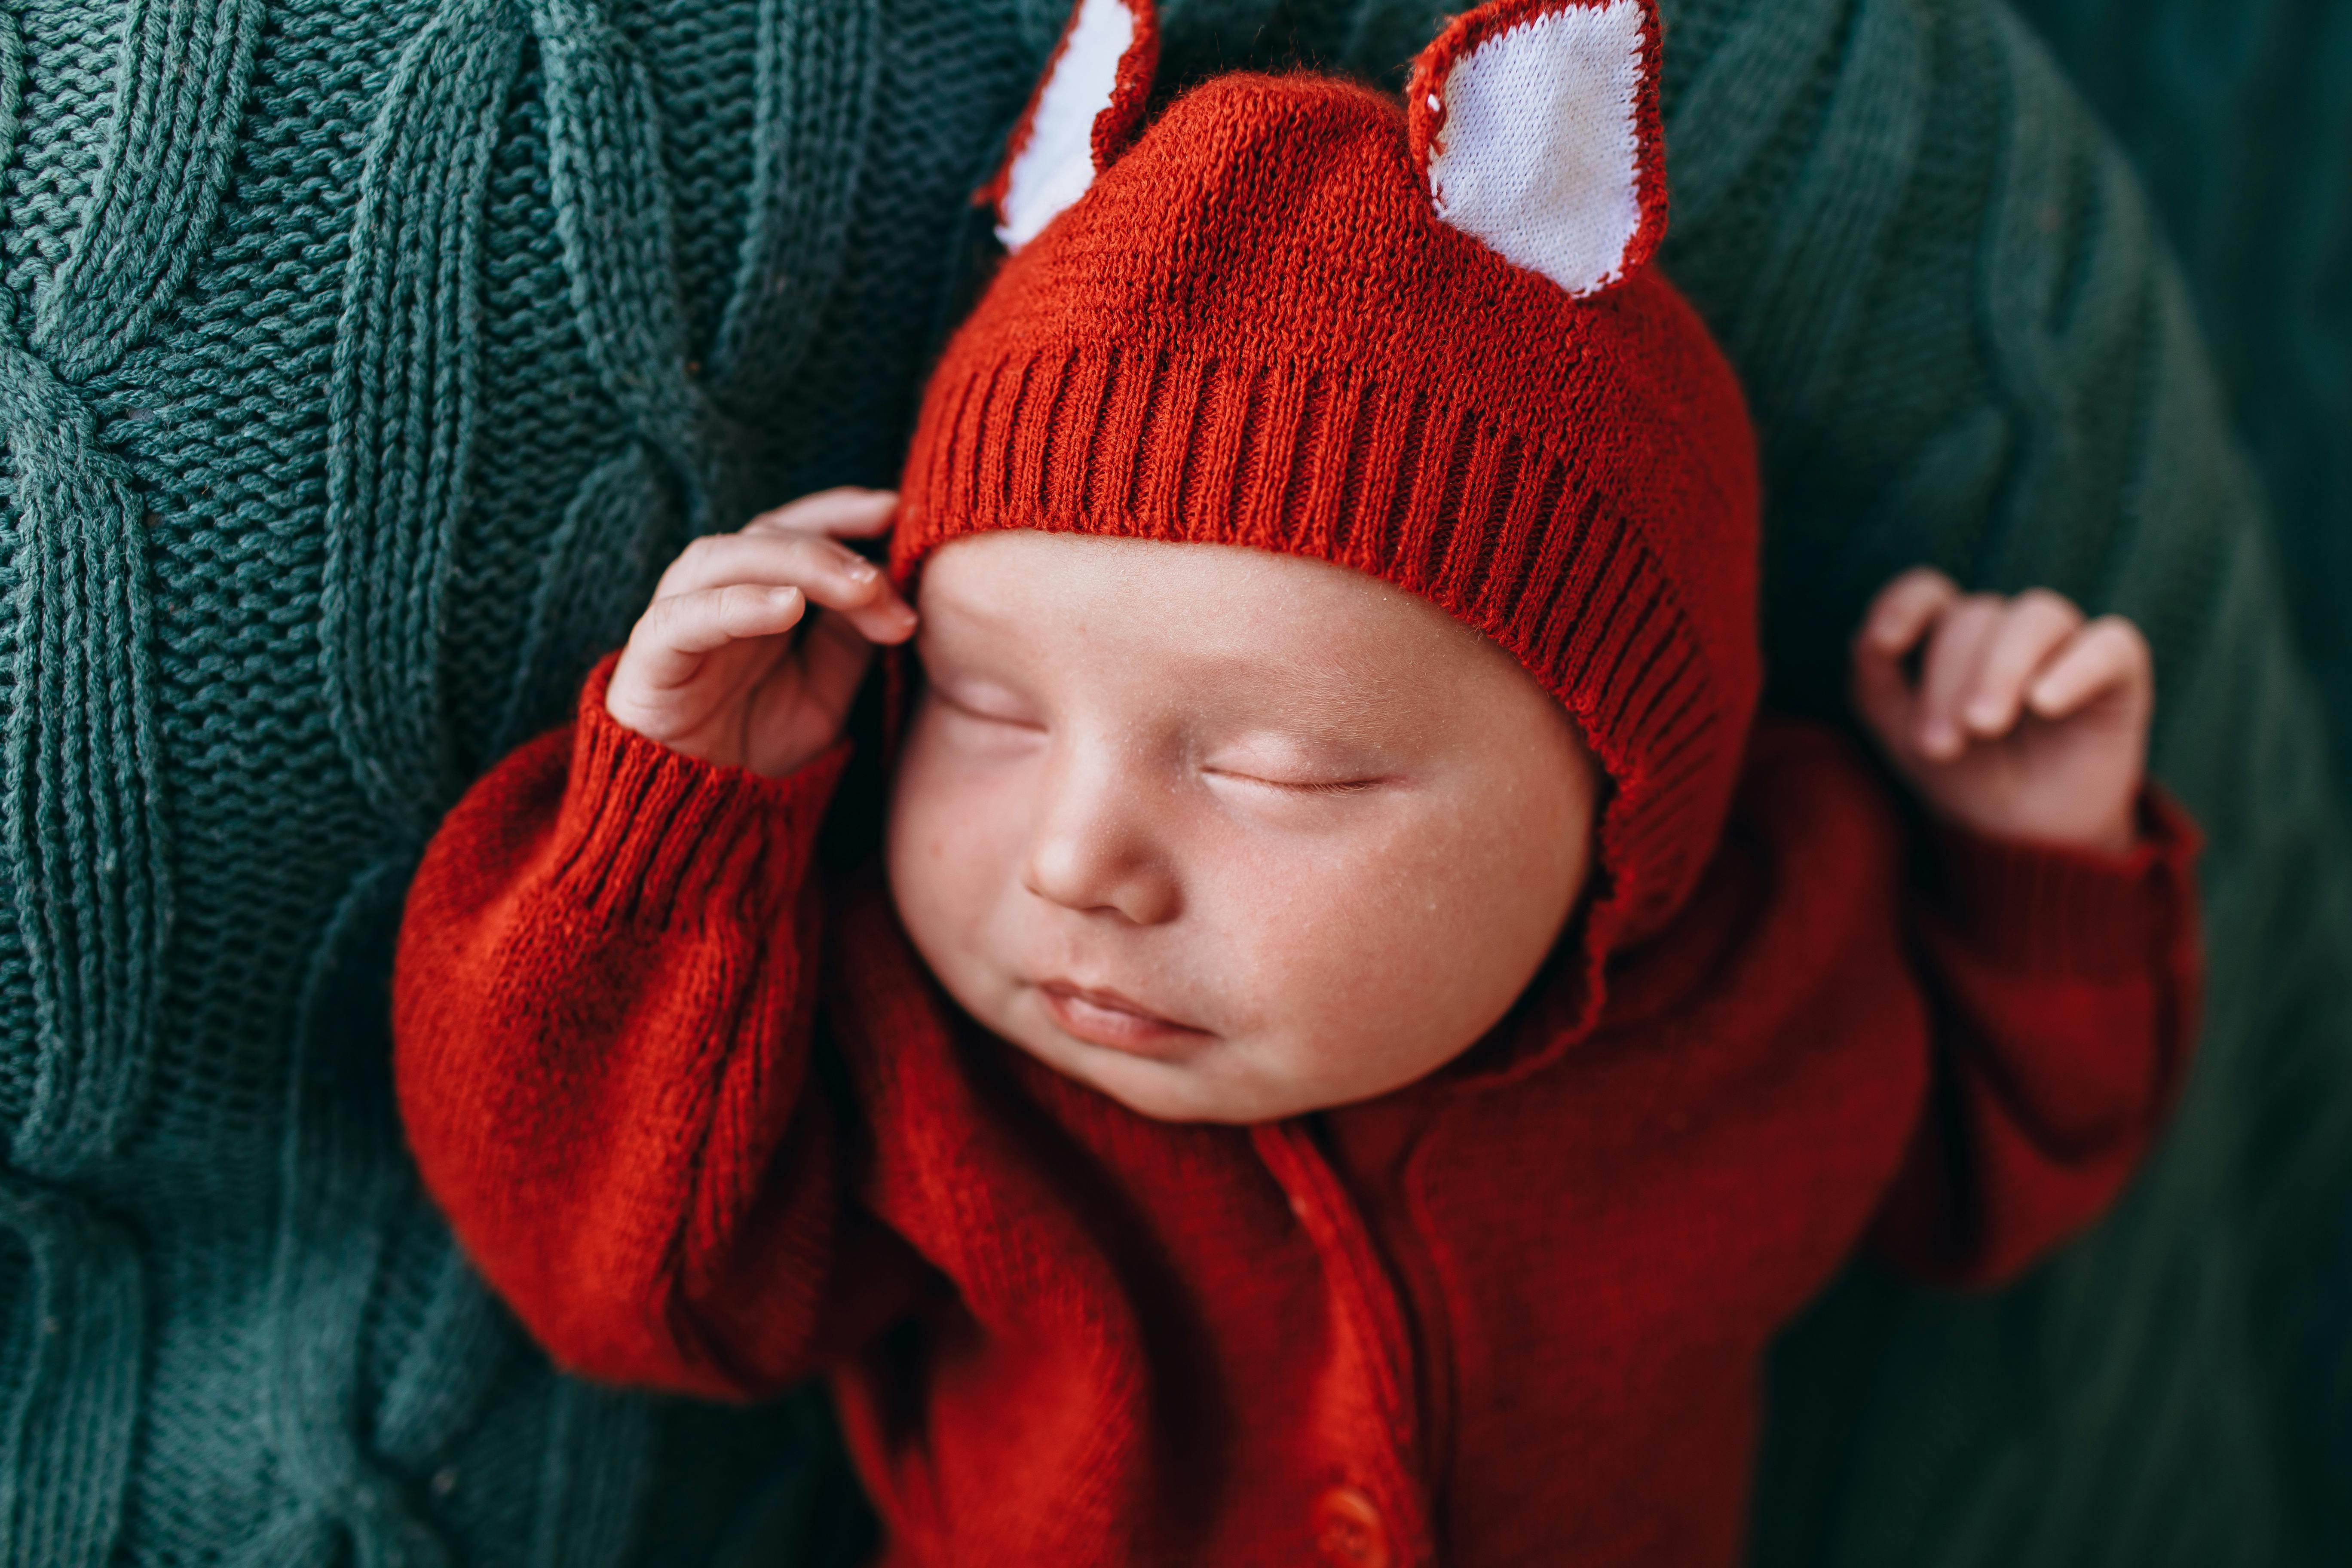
(2238, 119)
(361, 362)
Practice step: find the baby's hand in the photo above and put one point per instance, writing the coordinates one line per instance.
(712, 669)
(2026, 722)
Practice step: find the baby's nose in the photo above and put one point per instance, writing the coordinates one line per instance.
(1094, 848)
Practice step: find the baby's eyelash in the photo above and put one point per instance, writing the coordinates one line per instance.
(1317, 786)
(981, 714)
(1335, 787)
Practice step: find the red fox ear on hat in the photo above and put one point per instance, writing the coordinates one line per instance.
(1535, 125)
(1087, 106)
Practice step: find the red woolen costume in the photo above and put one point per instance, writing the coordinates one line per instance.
(700, 1114)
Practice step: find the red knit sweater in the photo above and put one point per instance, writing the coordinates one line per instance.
(698, 1114)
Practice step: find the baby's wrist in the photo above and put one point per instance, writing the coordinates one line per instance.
(649, 834)
(2114, 832)
(2047, 906)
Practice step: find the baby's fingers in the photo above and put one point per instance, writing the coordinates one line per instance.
(1902, 612)
(833, 661)
(830, 575)
(2031, 628)
(1947, 672)
(1896, 621)
(845, 512)
(2107, 658)
(674, 638)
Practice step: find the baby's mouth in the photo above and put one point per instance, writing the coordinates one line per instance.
(1119, 1023)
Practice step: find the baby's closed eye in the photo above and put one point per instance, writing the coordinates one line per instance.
(1301, 785)
(986, 704)
(1296, 764)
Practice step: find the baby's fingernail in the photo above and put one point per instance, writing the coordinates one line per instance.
(783, 595)
(1938, 737)
(859, 570)
(1984, 711)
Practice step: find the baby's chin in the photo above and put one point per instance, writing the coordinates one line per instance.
(1216, 1080)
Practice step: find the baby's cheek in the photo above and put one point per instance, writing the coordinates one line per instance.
(1445, 936)
(950, 840)
(1344, 960)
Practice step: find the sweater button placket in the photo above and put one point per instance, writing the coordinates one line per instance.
(1349, 1531)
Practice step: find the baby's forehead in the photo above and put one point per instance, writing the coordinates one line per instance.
(1201, 623)
(1086, 556)
(1218, 599)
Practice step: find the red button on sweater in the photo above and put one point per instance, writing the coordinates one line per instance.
(701, 1118)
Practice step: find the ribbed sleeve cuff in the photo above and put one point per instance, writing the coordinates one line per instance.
(652, 836)
(2047, 910)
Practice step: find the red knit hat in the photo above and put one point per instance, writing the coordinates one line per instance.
(1430, 346)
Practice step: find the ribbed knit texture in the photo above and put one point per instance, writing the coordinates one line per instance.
(1960, 337)
(1255, 330)
(707, 862)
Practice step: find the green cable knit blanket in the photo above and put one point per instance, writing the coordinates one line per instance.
(2239, 117)
(362, 359)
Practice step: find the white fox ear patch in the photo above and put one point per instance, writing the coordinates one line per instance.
(1535, 125)
(1086, 109)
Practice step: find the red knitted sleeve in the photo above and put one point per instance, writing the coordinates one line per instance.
(602, 1012)
(2065, 990)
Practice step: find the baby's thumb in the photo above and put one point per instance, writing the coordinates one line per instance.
(1882, 698)
(834, 660)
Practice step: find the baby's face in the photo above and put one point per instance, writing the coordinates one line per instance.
(1228, 836)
